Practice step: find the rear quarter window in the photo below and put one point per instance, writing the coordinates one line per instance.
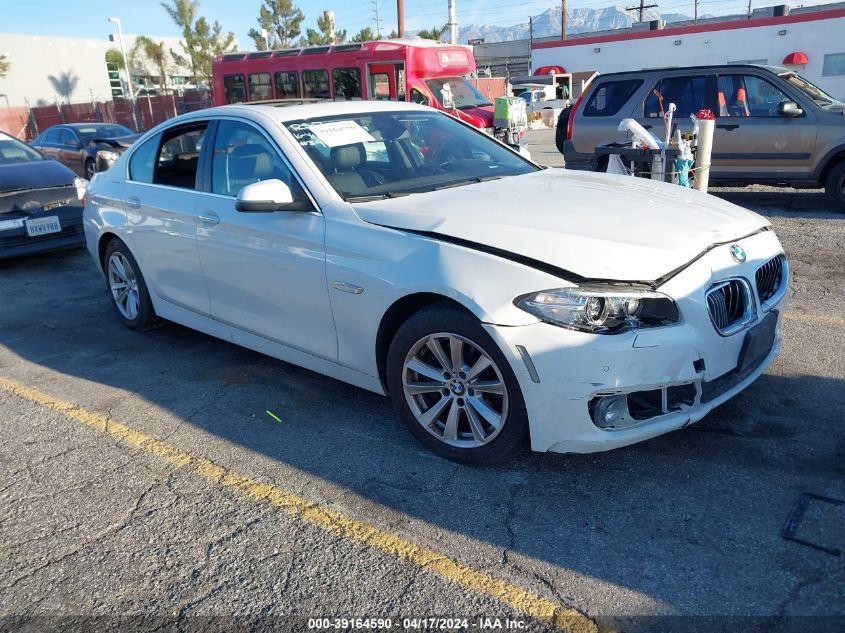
(142, 161)
(608, 98)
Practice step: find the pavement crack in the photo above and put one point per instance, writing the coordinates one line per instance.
(110, 529)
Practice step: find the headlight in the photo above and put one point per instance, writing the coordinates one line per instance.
(601, 308)
(107, 156)
(81, 187)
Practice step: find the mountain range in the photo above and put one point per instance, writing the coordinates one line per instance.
(580, 20)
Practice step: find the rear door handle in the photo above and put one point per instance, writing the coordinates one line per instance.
(209, 217)
(726, 126)
(133, 202)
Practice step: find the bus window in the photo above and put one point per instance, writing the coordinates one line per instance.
(287, 85)
(259, 87)
(347, 83)
(380, 86)
(235, 88)
(315, 84)
(418, 97)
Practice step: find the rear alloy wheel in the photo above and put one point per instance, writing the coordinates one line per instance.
(90, 169)
(454, 389)
(129, 295)
(835, 186)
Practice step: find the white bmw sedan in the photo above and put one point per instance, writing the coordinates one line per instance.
(395, 248)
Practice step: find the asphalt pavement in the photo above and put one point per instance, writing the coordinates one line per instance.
(144, 485)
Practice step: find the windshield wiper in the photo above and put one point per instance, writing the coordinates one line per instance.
(377, 196)
(466, 181)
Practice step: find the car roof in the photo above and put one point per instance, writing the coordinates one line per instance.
(296, 109)
(773, 69)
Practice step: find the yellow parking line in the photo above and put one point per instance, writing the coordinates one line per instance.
(814, 318)
(530, 604)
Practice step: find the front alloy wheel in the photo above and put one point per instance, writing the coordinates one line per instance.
(455, 390)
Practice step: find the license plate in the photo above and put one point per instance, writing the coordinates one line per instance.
(43, 226)
(758, 343)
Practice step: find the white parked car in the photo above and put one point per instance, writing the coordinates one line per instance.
(395, 248)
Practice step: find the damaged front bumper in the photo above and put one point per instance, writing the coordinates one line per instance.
(587, 392)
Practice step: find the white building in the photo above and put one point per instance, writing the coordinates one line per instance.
(49, 69)
(811, 41)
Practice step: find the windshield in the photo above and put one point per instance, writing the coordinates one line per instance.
(815, 93)
(14, 151)
(103, 131)
(456, 92)
(388, 154)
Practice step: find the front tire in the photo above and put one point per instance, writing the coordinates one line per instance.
(454, 389)
(835, 186)
(127, 288)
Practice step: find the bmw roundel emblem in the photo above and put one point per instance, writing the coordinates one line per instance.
(738, 253)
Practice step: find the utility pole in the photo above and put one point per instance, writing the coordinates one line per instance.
(400, 18)
(643, 7)
(749, 9)
(563, 19)
(530, 41)
(453, 23)
(695, 15)
(378, 20)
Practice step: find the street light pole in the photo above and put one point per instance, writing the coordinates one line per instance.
(125, 60)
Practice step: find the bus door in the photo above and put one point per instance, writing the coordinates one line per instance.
(387, 81)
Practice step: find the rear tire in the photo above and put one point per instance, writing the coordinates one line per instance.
(835, 186)
(474, 415)
(127, 288)
(90, 169)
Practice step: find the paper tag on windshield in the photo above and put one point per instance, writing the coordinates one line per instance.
(340, 133)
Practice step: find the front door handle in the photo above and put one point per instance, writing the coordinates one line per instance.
(726, 126)
(209, 217)
(133, 202)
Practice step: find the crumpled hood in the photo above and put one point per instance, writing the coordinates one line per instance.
(121, 143)
(597, 226)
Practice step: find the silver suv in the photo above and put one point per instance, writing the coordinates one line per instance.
(773, 126)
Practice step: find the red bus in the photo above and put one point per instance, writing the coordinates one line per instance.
(421, 71)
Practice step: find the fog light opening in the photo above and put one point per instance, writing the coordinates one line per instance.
(609, 412)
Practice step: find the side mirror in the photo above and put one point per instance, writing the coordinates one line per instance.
(265, 196)
(789, 108)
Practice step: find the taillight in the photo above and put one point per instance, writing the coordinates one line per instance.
(570, 124)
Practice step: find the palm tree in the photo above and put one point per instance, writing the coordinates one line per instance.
(146, 49)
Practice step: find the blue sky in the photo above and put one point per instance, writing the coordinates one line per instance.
(88, 18)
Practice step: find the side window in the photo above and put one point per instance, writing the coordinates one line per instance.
(259, 87)
(235, 88)
(608, 98)
(242, 156)
(418, 97)
(142, 162)
(689, 94)
(52, 136)
(179, 155)
(347, 83)
(315, 84)
(380, 86)
(747, 95)
(287, 85)
(68, 138)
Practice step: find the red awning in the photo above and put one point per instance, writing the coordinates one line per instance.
(795, 59)
(549, 70)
